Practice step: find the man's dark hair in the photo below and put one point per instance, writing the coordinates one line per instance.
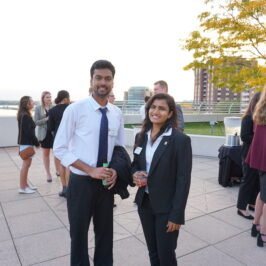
(162, 84)
(102, 64)
(61, 95)
(146, 98)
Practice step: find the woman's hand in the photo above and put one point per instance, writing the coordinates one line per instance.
(137, 178)
(171, 227)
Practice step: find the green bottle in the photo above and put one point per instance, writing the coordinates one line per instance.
(104, 181)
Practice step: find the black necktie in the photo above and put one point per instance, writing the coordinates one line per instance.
(103, 139)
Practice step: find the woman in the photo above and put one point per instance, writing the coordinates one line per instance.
(165, 155)
(256, 158)
(55, 115)
(26, 138)
(249, 187)
(43, 134)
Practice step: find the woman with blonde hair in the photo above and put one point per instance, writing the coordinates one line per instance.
(44, 135)
(256, 158)
(26, 139)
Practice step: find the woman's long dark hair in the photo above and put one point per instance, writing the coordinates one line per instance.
(23, 107)
(169, 123)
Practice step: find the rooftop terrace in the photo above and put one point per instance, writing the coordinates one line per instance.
(34, 229)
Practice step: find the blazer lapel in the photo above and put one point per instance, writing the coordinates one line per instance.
(164, 144)
(142, 155)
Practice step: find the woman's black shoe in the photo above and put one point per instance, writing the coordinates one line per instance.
(63, 193)
(249, 217)
(260, 242)
(254, 231)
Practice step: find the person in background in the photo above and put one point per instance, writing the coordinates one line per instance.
(163, 155)
(44, 135)
(249, 187)
(142, 108)
(55, 116)
(256, 158)
(161, 86)
(111, 97)
(26, 138)
(85, 140)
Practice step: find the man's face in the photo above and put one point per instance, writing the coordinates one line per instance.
(111, 98)
(102, 82)
(158, 89)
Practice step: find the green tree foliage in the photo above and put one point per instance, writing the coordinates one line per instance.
(231, 43)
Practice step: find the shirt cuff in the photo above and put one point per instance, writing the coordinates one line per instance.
(68, 159)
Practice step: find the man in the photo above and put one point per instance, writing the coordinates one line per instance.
(85, 141)
(162, 87)
(111, 98)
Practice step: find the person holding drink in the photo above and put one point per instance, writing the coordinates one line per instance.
(162, 170)
(88, 133)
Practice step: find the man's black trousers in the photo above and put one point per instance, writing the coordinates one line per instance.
(87, 198)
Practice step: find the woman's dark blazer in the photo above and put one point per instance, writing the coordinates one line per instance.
(26, 131)
(169, 175)
(246, 134)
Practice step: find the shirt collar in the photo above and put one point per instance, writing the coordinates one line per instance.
(167, 132)
(96, 106)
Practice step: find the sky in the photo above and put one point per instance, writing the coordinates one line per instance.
(51, 45)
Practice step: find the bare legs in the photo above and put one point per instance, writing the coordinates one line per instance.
(258, 210)
(46, 162)
(24, 173)
(260, 219)
(57, 166)
(64, 174)
(63, 171)
(263, 223)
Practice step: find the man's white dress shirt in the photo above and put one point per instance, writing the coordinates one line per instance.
(78, 133)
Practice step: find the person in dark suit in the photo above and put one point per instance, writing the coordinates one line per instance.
(164, 153)
(249, 187)
(55, 116)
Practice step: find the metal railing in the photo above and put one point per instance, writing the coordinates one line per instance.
(132, 107)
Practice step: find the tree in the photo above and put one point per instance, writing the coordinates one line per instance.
(231, 43)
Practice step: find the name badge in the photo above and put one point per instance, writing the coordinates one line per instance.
(112, 132)
(138, 150)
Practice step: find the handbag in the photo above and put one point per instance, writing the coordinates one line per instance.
(28, 152)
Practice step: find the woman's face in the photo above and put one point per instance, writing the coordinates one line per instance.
(159, 112)
(30, 104)
(47, 99)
